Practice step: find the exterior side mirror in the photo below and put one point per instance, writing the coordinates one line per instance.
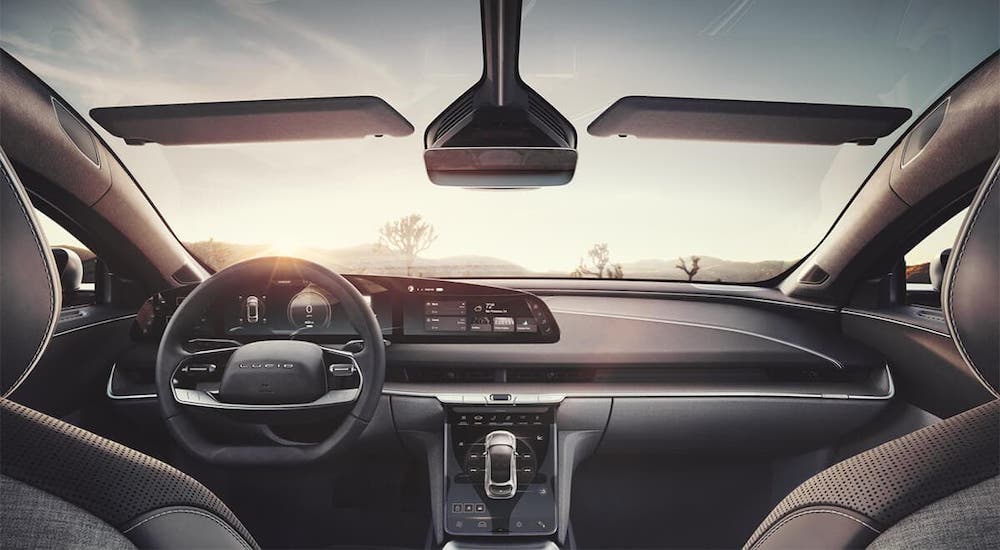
(937, 267)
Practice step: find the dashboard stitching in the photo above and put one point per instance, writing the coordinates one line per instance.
(949, 304)
(893, 321)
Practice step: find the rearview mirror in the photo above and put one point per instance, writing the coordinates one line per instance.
(500, 167)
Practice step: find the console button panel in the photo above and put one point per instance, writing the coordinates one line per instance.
(468, 508)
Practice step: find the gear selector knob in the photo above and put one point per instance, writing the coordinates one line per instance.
(501, 471)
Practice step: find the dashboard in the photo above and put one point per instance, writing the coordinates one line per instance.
(408, 309)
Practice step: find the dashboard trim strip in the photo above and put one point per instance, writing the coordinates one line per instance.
(95, 324)
(705, 326)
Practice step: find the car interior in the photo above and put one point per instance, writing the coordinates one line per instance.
(672, 275)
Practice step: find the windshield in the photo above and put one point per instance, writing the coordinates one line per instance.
(636, 208)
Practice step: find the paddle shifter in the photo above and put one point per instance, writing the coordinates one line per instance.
(501, 470)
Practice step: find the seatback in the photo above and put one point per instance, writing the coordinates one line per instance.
(63, 486)
(936, 487)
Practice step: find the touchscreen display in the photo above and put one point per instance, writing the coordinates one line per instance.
(478, 315)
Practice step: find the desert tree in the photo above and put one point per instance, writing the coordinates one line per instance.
(409, 235)
(692, 270)
(600, 264)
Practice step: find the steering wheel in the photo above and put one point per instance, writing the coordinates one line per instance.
(268, 382)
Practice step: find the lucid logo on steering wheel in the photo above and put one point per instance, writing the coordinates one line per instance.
(267, 365)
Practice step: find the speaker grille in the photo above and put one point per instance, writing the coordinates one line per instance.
(77, 132)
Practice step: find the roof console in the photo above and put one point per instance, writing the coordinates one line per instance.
(500, 133)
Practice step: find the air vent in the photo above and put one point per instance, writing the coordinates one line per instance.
(540, 376)
(816, 275)
(603, 377)
(77, 132)
(457, 375)
(186, 275)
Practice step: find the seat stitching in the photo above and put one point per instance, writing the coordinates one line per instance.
(226, 526)
(51, 284)
(778, 525)
(950, 304)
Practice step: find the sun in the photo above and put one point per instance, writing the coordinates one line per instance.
(285, 247)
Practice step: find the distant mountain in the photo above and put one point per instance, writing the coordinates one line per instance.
(920, 273)
(365, 258)
(219, 254)
(370, 258)
(710, 269)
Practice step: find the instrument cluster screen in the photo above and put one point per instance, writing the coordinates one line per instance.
(291, 307)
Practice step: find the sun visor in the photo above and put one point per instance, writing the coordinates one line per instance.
(253, 121)
(747, 121)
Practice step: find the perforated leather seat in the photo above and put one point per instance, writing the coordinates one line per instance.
(61, 486)
(937, 487)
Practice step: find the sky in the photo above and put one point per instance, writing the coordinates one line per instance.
(645, 198)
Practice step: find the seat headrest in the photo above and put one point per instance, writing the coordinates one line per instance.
(30, 296)
(971, 294)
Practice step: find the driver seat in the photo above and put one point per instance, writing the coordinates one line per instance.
(61, 486)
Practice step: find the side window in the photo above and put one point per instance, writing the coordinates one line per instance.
(76, 264)
(925, 262)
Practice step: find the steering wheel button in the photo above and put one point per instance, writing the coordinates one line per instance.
(342, 370)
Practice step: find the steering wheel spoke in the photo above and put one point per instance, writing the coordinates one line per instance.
(197, 380)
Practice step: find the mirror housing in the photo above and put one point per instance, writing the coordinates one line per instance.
(937, 268)
(70, 269)
(500, 134)
(500, 167)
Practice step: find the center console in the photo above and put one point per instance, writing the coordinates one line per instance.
(500, 470)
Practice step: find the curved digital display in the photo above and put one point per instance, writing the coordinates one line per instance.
(407, 309)
(293, 307)
(486, 315)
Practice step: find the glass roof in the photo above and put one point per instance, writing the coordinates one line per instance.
(747, 210)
